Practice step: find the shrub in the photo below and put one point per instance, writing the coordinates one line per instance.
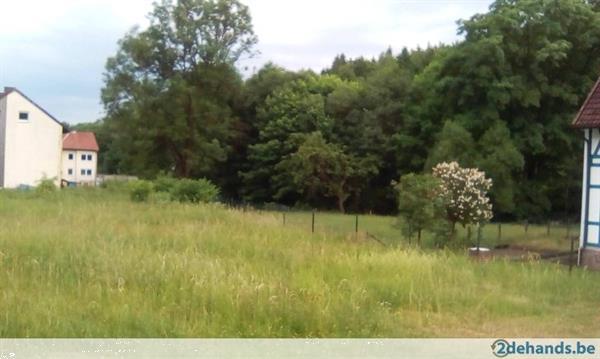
(194, 191)
(140, 190)
(164, 183)
(46, 186)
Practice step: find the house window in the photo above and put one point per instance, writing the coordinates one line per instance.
(89, 157)
(83, 172)
(70, 171)
(70, 156)
(23, 116)
(89, 172)
(83, 157)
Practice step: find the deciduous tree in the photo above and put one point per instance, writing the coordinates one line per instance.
(419, 202)
(170, 88)
(318, 167)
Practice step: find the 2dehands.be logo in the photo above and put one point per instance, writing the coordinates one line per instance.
(502, 348)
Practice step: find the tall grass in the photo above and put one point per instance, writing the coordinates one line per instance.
(90, 263)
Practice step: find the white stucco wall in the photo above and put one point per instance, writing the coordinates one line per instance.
(590, 208)
(77, 164)
(32, 148)
(2, 137)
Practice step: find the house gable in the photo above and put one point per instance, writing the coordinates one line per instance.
(31, 145)
(9, 90)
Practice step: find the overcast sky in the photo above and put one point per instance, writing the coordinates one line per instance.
(55, 51)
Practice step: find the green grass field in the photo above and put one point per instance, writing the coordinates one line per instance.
(386, 229)
(89, 263)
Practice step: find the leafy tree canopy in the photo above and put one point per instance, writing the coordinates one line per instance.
(500, 100)
(170, 89)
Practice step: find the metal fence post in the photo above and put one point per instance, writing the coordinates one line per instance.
(571, 254)
(478, 237)
(313, 221)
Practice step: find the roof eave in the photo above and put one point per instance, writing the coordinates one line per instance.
(583, 127)
(575, 123)
(79, 149)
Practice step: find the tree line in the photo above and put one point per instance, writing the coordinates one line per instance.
(501, 100)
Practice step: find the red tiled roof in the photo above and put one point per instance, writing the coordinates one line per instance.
(85, 141)
(589, 114)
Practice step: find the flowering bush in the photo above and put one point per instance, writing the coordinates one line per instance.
(464, 192)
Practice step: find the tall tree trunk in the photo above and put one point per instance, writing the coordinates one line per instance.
(342, 196)
(181, 162)
(182, 169)
(188, 146)
(341, 201)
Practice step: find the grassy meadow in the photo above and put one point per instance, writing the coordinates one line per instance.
(388, 231)
(90, 263)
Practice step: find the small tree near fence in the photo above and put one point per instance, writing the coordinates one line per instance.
(418, 202)
(464, 192)
(437, 201)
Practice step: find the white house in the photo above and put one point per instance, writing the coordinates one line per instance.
(79, 158)
(588, 120)
(30, 141)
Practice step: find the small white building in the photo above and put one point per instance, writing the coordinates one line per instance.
(588, 120)
(30, 141)
(79, 158)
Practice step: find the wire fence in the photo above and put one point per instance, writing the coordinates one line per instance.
(551, 235)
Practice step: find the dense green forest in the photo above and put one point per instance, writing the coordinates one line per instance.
(501, 99)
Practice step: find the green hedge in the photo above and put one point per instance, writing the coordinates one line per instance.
(164, 188)
(194, 191)
(140, 190)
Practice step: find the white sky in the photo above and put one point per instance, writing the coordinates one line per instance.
(55, 50)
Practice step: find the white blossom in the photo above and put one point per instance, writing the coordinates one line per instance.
(465, 191)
